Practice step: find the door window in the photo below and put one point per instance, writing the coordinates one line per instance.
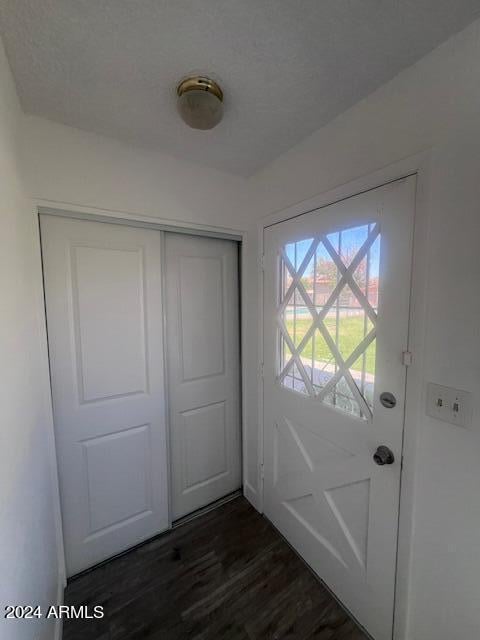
(327, 316)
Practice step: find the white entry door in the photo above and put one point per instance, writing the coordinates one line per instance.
(203, 369)
(104, 313)
(337, 286)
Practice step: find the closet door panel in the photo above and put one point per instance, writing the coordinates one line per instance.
(104, 312)
(203, 369)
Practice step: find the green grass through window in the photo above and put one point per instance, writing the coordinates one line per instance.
(350, 334)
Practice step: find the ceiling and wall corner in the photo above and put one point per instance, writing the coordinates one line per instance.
(412, 112)
(286, 68)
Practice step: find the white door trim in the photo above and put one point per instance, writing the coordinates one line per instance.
(133, 220)
(418, 165)
(81, 212)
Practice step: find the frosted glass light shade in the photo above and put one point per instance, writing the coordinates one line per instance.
(200, 103)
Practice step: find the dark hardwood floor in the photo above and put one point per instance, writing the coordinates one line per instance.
(226, 575)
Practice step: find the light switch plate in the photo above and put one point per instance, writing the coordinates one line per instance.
(450, 405)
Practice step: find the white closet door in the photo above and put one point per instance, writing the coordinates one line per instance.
(104, 312)
(203, 366)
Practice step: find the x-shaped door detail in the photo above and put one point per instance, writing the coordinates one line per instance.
(345, 270)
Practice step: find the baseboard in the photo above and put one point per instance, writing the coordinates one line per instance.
(252, 496)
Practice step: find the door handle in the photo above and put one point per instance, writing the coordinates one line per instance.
(383, 455)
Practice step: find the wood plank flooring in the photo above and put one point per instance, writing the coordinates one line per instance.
(227, 575)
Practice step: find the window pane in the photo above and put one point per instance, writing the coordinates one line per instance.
(329, 317)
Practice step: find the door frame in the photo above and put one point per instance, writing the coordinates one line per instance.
(419, 166)
(95, 214)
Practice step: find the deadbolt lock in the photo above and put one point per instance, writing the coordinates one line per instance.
(388, 400)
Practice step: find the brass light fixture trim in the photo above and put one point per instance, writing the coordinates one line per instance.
(200, 102)
(199, 83)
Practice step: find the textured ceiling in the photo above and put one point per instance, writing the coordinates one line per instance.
(286, 66)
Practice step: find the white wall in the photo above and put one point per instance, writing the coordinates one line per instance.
(433, 105)
(29, 559)
(445, 585)
(71, 166)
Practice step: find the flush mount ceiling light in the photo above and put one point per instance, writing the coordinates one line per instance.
(200, 102)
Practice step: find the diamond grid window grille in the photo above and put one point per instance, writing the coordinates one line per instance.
(327, 317)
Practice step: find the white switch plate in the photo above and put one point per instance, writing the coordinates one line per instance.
(448, 404)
